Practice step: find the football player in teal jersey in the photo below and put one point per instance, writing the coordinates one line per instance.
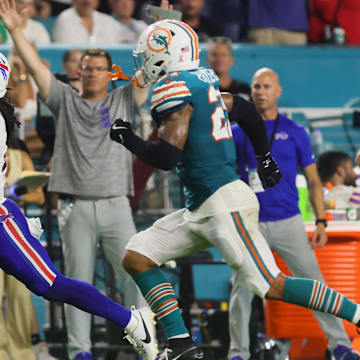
(221, 210)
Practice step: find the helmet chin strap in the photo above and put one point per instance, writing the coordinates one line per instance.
(141, 83)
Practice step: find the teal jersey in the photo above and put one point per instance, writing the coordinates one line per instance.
(208, 159)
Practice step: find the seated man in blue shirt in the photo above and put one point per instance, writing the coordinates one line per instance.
(280, 220)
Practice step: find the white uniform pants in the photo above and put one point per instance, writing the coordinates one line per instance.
(235, 234)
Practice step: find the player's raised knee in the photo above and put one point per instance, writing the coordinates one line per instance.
(135, 263)
(128, 261)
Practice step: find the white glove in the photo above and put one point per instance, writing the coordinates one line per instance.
(35, 227)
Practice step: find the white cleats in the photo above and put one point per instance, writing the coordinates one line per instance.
(140, 332)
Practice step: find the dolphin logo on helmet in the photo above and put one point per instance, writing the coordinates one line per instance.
(159, 39)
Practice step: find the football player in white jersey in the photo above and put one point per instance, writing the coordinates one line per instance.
(221, 211)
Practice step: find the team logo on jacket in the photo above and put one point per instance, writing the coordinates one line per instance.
(281, 136)
(3, 69)
(4, 218)
(159, 40)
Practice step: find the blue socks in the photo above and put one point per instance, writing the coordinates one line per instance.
(87, 298)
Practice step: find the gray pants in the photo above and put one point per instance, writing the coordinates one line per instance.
(289, 239)
(82, 227)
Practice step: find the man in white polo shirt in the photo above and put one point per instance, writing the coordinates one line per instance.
(83, 24)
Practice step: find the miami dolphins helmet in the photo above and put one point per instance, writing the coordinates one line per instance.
(166, 46)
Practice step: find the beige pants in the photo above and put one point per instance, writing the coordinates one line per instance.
(82, 226)
(15, 336)
(270, 36)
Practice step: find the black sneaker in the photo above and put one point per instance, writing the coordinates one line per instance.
(184, 349)
(264, 348)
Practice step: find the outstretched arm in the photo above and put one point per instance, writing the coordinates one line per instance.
(12, 20)
(141, 93)
(163, 153)
(245, 114)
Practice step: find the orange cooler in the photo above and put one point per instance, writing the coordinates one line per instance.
(339, 262)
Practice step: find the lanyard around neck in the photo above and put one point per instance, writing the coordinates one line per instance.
(272, 138)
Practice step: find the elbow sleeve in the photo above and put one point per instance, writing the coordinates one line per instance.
(244, 113)
(159, 154)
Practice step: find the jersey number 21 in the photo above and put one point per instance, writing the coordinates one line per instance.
(221, 129)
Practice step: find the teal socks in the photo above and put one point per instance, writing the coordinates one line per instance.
(316, 295)
(160, 295)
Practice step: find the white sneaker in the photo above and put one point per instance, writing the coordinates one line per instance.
(41, 351)
(141, 333)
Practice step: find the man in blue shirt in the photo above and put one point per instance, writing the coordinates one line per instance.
(278, 22)
(280, 220)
